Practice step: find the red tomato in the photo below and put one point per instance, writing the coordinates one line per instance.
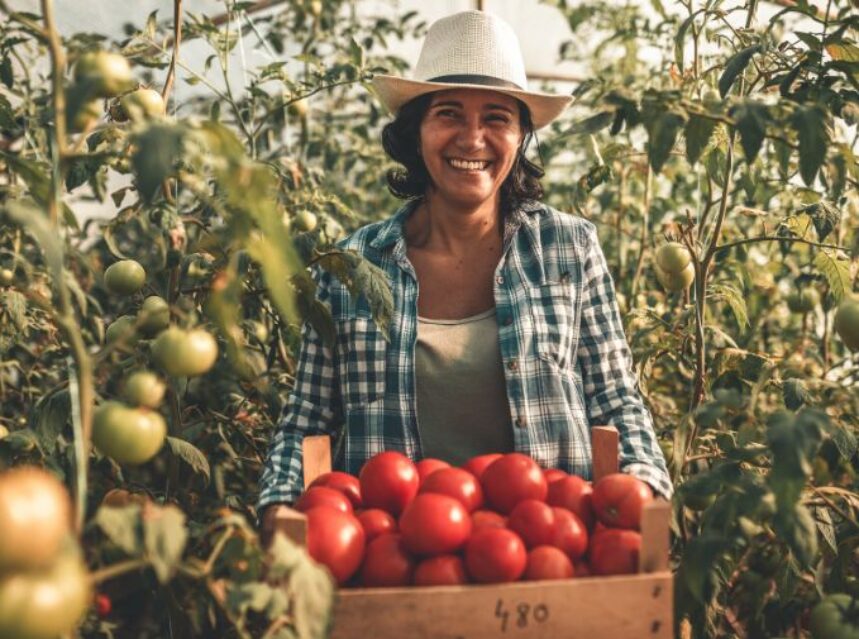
(103, 605)
(444, 570)
(548, 562)
(574, 494)
(387, 563)
(336, 540)
(322, 496)
(571, 536)
(512, 478)
(476, 465)
(428, 466)
(434, 525)
(344, 482)
(377, 522)
(486, 519)
(551, 474)
(533, 521)
(614, 551)
(495, 555)
(619, 500)
(389, 481)
(457, 483)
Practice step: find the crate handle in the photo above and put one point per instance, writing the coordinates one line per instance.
(316, 451)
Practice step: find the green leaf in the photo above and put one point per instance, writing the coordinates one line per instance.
(810, 40)
(248, 596)
(796, 527)
(751, 122)
(157, 150)
(192, 455)
(824, 216)
(37, 224)
(698, 132)
(679, 40)
(662, 133)
(50, 416)
(845, 441)
(795, 393)
(836, 269)
(7, 114)
(164, 537)
(6, 74)
(697, 568)
(735, 299)
(793, 440)
(592, 124)
(121, 526)
(809, 122)
(312, 593)
(735, 66)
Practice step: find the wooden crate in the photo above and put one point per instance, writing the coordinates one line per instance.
(620, 607)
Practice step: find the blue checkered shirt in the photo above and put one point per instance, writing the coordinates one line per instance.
(566, 360)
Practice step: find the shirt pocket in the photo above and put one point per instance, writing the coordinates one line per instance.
(553, 309)
(361, 352)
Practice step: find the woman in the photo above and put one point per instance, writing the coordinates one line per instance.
(506, 333)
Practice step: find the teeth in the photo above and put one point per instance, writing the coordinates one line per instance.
(469, 166)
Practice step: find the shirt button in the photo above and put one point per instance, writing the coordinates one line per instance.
(520, 421)
(513, 364)
(499, 279)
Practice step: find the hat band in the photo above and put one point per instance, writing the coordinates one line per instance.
(469, 78)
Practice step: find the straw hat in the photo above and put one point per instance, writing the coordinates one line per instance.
(472, 50)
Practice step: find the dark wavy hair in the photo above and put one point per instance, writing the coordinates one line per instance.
(401, 141)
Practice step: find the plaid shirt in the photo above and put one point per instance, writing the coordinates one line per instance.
(566, 360)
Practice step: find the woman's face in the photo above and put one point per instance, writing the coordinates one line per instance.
(468, 141)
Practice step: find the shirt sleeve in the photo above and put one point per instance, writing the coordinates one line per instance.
(309, 410)
(610, 387)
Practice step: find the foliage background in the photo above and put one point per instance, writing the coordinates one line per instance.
(701, 122)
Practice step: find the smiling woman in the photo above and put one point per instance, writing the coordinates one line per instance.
(506, 333)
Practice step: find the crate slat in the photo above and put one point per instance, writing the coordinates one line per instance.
(592, 608)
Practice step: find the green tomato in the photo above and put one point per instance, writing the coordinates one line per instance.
(125, 277)
(7, 276)
(847, 322)
(676, 281)
(673, 257)
(128, 435)
(304, 221)
(154, 315)
(144, 388)
(35, 519)
(44, 604)
(299, 108)
(803, 301)
(184, 353)
(85, 117)
(835, 617)
(140, 105)
(122, 329)
(107, 74)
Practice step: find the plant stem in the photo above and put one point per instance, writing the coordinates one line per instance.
(117, 569)
(177, 40)
(776, 238)
(65, 317)
(645, 223)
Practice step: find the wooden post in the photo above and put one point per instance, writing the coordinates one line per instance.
(604, 446)
(316, 450)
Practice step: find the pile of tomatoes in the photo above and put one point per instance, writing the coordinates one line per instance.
(498, 518)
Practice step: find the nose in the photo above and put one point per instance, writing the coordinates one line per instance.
(471, 135)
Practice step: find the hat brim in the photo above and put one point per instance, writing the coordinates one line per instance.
(394, 92)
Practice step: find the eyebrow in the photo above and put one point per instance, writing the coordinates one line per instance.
(487, 107)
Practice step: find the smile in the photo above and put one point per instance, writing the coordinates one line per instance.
(468, 165)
